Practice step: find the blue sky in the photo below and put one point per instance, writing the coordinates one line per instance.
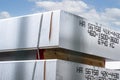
(104, 11)
(22, 7)
(16, 7)
(102, 4)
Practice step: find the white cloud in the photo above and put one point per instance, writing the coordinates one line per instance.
(117, 23)
(109, 16)
(4, 14)
(113, 12)
(67, 5)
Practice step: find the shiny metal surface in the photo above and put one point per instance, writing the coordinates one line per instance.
(75, 71)
(54, 70)
(16, 70)
(39, 70)
(59, 29)
(19, 33)
(50, 29)
(75, 33)
(82, 35)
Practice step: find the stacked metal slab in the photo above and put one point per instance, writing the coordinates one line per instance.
(58, 29)
(54, 70)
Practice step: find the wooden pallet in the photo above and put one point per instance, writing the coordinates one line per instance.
(72, 56)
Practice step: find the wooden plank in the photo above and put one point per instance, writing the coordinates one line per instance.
(74, 56)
